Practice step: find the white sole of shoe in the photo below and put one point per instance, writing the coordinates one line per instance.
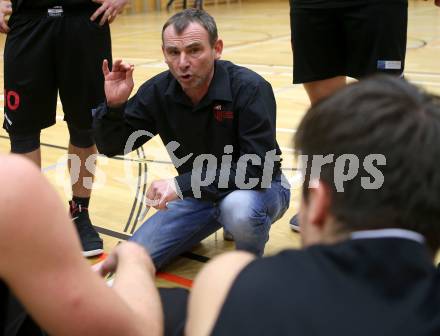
(92, 253)
(294, 227)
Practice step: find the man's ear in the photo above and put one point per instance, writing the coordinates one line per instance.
(319, 200)
(218, 48)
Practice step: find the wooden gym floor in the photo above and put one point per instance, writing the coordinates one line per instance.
(256, 35)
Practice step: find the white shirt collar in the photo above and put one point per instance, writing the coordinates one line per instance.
(389, 233)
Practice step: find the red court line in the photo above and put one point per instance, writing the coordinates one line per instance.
(162, 275)
(102, 257)
(175, 278)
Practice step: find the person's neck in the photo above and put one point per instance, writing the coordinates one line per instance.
(327, 233)
(334, 237)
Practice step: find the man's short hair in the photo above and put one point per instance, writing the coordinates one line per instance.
(386, 116)
(181, 20)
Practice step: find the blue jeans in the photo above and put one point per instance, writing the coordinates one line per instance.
(246, 214)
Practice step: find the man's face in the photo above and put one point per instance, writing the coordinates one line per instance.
(190, 57)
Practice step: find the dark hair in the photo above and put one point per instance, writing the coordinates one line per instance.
(182, 19)
(381, 115)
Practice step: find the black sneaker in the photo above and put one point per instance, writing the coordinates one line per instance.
(294, 223)
(90, 240)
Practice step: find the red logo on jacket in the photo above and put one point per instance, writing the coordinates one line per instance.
(220, 115)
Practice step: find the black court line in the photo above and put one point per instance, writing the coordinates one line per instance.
(196, 257)
(120, 158)
(130, 217)
(141, 155)
(144, 188)
(117, 157)
(111, 233)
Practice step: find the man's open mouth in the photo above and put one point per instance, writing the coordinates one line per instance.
(186, 77)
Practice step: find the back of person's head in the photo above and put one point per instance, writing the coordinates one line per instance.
(392, 129)
(181, 20)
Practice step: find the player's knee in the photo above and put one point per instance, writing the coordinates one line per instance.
(22, 144)
(81, 138)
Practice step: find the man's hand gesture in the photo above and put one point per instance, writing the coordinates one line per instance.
(118, 83)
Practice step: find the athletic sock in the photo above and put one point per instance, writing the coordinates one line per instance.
(83, 201)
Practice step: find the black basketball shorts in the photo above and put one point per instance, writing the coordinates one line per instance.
(353, 41)
(48, 52)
